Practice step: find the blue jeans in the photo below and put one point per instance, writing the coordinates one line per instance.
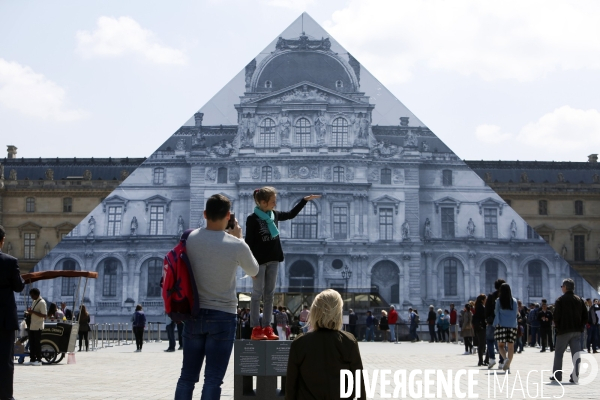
(171, 334)
(534, 335)
(211, 335)
(491, 343)
(263, 285)
(370, 335)
(413, 332)
(392, 333)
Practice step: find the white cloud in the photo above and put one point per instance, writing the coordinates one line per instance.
(32, 94)
(491, 134)
(508, 39)
(298, 5)
(565, 129)
(115, 37)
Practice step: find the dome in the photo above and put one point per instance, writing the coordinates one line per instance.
(289, 68)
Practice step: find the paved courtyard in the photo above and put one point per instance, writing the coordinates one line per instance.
(119, 373)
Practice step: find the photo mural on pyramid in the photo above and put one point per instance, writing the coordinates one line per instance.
(402, 220)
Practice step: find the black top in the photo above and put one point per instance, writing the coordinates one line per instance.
(314, 364)
(479, 317)
(84, 324)
(570, 314)
(264, 247)
(383, 324)
(431, 317)
(10, 282)
(547, 315)
(490, 307)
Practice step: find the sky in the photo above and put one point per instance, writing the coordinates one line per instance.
(495, 80)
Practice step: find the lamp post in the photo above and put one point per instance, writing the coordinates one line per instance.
(346, 274)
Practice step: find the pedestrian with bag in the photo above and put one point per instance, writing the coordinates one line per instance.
(139, 324)
(505, 323)
(84, 327)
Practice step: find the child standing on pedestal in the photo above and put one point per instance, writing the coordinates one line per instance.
(262, 236)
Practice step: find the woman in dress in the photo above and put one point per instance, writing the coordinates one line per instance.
(467, 329)
(505, 322)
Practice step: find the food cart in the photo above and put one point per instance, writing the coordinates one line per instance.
(59, 337)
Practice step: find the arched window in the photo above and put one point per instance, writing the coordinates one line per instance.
(339, 132)
(222, 175)
(450, 277)
(154, 271)
(266, 174)
(302, 277)
(386, 277)
(109, 282)
(302, 132)
(338, 174)
(535, 279)
(30, 205)
(386, 176)
(159, 176)
(491, 274)
(266, 136)
(578, 207)
(304, 226)
(68, 284)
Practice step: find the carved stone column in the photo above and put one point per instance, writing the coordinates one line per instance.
(406, 269)
(470, 287)
(319, 281)
(326, 218)
(365, 276)
(130, 289)
(282, 277)
(89, 266)
(284, 200)
(514, 271)
(552, 274)
(359, 202)
(429, 290)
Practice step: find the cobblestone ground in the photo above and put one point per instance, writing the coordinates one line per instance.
(119, 373)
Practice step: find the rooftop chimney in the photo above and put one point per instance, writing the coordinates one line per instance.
(198, 118)
(12, 151)
(593, 158)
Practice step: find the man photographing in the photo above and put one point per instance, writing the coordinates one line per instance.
(214, 257)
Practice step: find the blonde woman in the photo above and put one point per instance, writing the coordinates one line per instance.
(317, 357)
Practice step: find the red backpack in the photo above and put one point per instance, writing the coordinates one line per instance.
(179, 291)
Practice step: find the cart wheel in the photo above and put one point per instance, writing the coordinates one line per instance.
(49, 352)
(59, 358)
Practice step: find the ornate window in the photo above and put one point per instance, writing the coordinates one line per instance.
(67, 204)
(29, 245)
(305, 225)
(339, 132)
(490, 218)
(338, 174)
(266, 174)
(535, 279)
(579, 291)
(109, 282)
(302, 132)
(447, 223)
(447, 177)
(579, 247)
(578, 207)
(543, 207)
(340, 222)
(266, 136)
(157, 218)
(68, 284)
(531, 233)
(30, 204)
(155, 266)
(159, 176)
(386, 223)
(222, 175)
(339, 84)
(386, 176)
(491, 274)
(114, 220)
(450, 277)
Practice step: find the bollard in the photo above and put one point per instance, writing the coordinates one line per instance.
(149, 333)
(158, 338)
(119, 334)
(125, 331)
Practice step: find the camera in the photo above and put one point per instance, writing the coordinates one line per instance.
(231, 223)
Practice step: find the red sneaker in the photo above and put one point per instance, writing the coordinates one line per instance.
(258, 334)
(268, 332)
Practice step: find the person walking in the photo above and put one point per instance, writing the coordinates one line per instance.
(431, 319)
(570, 318)
(505, 321)
(139, 324)
(84, 327)
(592, 326)
(545, 318)
(479, 328)
(304, 319)
(453, 324)
(170, 328)
(282, 323)
(392, 320)
(38, 313)
(490, 314)
(370, 327)
(467, 330)
(10, 283)
(262, 235)
(214, 257)
(534, 325)
(413, 318)
(316, 358)
(384, 326)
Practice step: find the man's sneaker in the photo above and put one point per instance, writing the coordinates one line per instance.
(258, 333)
(501, 365)
(268, 331)
(35, 363)
(491, 364)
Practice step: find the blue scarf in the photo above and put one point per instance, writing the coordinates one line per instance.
(269, 218)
